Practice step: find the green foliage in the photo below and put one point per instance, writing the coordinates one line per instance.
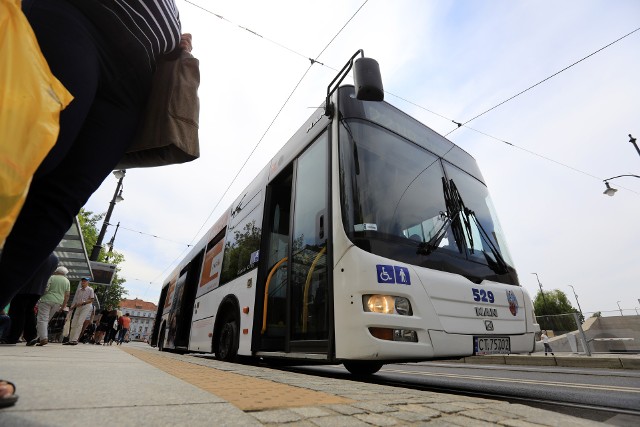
(553, 311)
(109, 296)
(597, 314)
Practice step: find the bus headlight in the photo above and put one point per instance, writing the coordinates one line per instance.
(403, 306)
(387, 304)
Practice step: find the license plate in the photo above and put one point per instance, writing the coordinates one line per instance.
(491, 345)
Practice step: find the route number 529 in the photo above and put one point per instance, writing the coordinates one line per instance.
(482, 295)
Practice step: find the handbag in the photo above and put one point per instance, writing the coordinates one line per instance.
(168, 130)
(31, 99)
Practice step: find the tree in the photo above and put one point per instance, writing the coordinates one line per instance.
(109, 296)
(554, 311)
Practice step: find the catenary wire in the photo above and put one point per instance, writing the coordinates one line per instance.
(542, 81)
(459, 124)
(312, 62)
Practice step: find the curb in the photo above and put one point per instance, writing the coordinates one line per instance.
(567, 362)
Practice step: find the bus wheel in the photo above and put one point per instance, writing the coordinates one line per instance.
(362, 367)
(228, 342)
(161, 339)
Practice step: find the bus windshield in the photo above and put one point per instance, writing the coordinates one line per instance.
(403, 202)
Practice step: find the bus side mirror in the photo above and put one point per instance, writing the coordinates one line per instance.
(367, 80)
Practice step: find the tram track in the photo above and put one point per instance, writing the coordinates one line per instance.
(600, 413)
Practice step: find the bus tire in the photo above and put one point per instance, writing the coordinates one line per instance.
(362, 367)
(227, 349)
(161, 338)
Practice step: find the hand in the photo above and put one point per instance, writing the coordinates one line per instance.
(185, 42)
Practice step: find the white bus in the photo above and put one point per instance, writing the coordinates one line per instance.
(367, 239)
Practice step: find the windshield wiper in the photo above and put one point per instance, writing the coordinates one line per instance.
(499, 265)
(425, 248)
(458, 216)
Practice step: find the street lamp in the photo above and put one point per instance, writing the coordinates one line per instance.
(575, 295)
(117, 197)
(620, 309)
(542, 293)
(633, 141)
(611, 191)
(112, 241)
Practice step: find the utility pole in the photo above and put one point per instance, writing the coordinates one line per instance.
(117, 197)
(544, 300)
(575, 295)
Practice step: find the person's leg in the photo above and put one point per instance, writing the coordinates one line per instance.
(30, 333)
(95, 130)
(5, 324)
(16, 313)
(44, 312)
(76, 322)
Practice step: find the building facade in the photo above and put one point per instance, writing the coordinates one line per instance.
(142, 314)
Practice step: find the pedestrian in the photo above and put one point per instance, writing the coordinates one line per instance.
(112, 325)
(103, 326)
(22, 309)
(545, 342)
(54, 300)
(104, 52)
(95, 306)
(125, 322)
(81, 305)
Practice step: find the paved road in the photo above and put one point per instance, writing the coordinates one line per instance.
(585, 387)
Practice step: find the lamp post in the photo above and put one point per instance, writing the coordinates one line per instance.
(633, 141)
(620, 309)
(544, 300)
(575, 295)
(117, 197)
(112, 241)
(611, 191)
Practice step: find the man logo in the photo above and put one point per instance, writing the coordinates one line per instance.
(488, 325)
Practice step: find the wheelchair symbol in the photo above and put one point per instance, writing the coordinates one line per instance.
(385, 276)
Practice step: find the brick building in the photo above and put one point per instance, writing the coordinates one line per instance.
(142, 315)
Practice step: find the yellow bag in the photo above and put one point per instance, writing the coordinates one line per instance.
(31, 99)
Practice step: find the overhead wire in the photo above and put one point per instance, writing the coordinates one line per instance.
(541, 81)
(314, 61)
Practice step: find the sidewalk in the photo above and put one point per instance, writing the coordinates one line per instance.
(135, 385)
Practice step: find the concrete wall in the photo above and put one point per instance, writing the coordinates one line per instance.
(602, 327)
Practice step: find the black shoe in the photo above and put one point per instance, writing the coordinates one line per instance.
(32, 342)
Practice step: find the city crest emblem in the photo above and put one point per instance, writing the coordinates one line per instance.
(513, 302)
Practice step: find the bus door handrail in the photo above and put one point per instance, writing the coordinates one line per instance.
(305, 306)
(266, 294)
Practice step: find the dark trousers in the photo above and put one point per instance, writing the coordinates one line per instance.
(23, 318)
(95, 130)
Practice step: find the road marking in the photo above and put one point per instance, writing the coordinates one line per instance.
(519, 381)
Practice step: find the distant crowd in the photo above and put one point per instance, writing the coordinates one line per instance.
(40, 313)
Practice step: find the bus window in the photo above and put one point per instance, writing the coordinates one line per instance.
(242, 245)
(309, 276)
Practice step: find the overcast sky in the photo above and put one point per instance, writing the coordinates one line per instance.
(440, 61)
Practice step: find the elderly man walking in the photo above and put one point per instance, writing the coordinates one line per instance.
(54, 300)
(82, 304)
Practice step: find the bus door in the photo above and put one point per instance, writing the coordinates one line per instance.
(182, 309)
(158, 319)
(296, 277)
